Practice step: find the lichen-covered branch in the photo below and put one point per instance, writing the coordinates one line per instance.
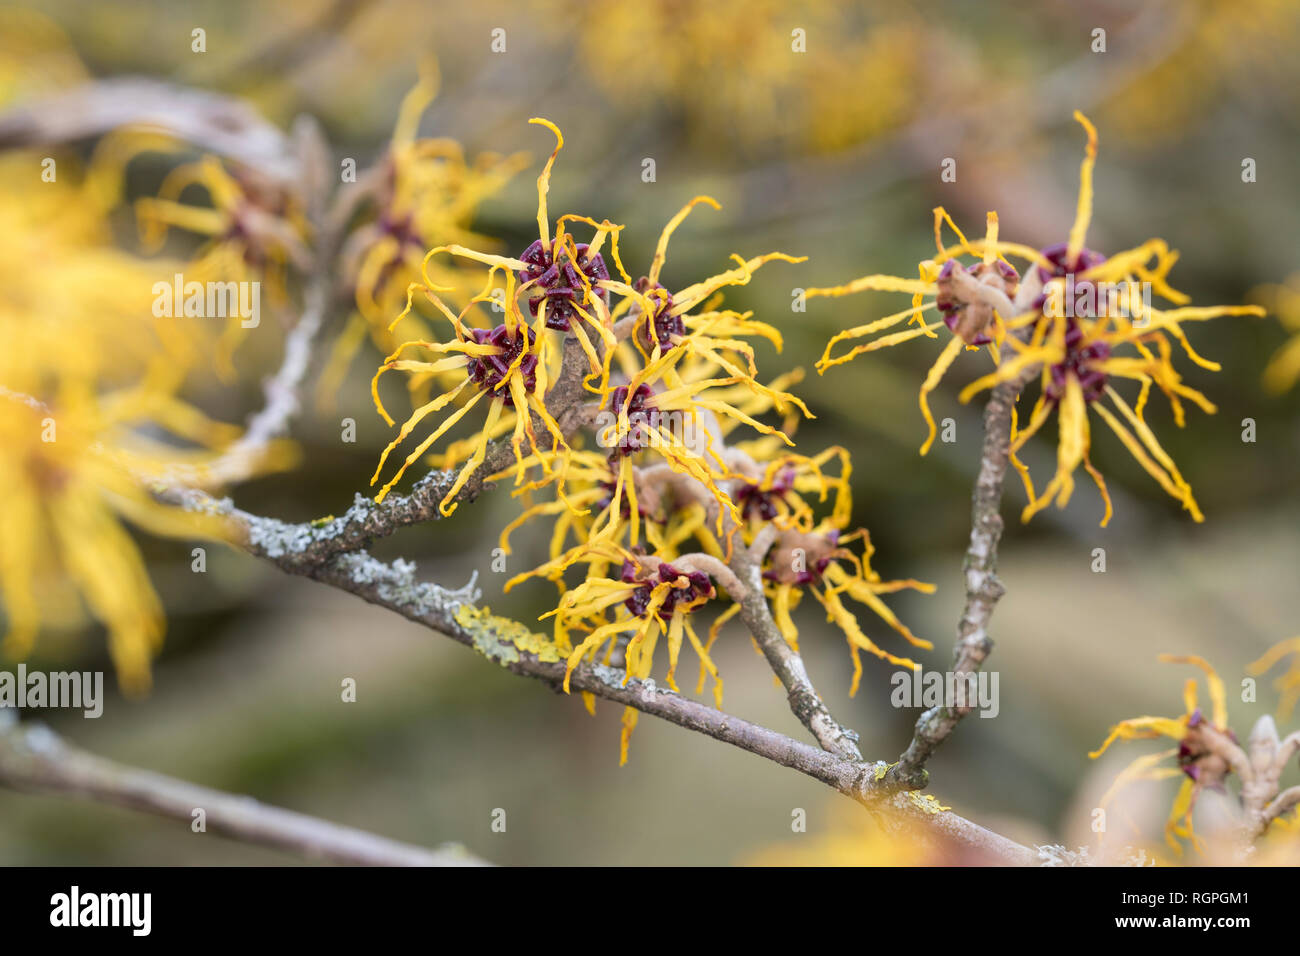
(301, 547)
(513, 646)
(35, 759)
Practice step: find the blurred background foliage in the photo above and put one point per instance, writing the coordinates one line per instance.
(834, 153)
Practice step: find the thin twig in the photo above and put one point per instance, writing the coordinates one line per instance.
(35, 759)
(300, 547)
(1286, 800)
(210, 121)
(785, 661)
(983, 589)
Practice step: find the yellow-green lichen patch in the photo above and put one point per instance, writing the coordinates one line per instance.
(501, 639)
(926, 802)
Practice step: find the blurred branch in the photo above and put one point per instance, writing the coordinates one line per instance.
(240, 459)
(1260, 766)
(1287, 800)
(35, 759)
(211, 121)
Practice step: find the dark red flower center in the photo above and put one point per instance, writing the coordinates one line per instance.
(1055, 254)
(1079, 359)
(1079, 364)
(401, 229)
(641, 415)
(665, 327)
(488, 371)
(638, 602)
(556, 281)
(811, 574)
(757, 501)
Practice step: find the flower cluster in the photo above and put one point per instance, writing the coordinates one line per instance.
(255, 227)
(1200, 757)
(673, 456)
(1207, 754)
(89, 432)
(1074, 319)
(422, 191)
(98, 418)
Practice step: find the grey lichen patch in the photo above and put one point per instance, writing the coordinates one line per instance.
(1057, 855)
(613, 676)
(396, 586)
(501, 639)
(278, 539)
(1054, 854)
(199, 502)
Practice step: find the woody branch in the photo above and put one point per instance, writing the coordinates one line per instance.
(983, 587)
(34, 759)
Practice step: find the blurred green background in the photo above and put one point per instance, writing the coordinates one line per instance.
(835, 154)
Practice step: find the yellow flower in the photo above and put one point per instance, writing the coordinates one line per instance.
(256, 229)
(90, 423)
(772, 482)
(506, 364)
(69, 472)
(74, 306)
(1288, 684)
(560, 277)
(1076, 320)
(810, 562)
(1283, 300)
(652, 599)
(1200, 752)
(569, 289)
(422, 193)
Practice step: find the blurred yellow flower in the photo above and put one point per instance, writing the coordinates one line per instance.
(1288, 683)
(1283, 300)
(1216, 44)
(422, 193)
(845, 835)
(1200, 753)
(75, 306)
(819, 76)
(36, 57)
(70, 471)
